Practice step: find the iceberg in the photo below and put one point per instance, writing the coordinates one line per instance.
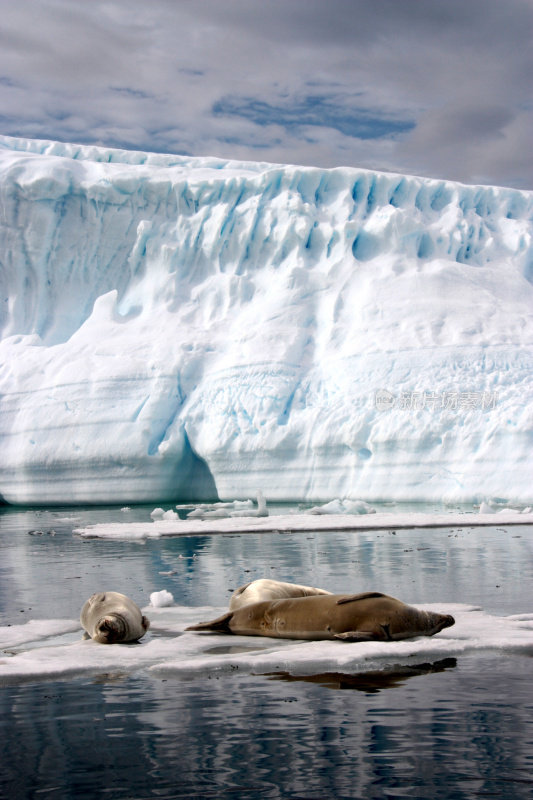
(187, 329)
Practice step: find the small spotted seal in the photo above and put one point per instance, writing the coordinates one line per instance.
(268, 589)
(370, 616)
(111, 617)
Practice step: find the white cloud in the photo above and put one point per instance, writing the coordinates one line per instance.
(149, 75)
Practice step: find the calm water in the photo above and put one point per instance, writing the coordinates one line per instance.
(455, 729)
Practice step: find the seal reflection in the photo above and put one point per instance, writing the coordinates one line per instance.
(368, 682)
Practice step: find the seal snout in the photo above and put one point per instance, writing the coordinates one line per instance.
(110, 629)
(446, 621)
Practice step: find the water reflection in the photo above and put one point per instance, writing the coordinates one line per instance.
(368, 682)
(224, 650)
(444, 732)
(491, 567)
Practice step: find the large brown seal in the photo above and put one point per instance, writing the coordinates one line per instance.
(370, 616)
(268, 589)
(111, 617)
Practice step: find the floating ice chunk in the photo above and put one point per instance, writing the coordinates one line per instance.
(160, 513)
(197, 508)
(343, 507)
(333, 507)
(196, 513)
(232, 504)
(216, 513)
(231, 508)
(495, 507)
(358, 507)
(208, 513)
(242, 505)
(261, 504)
(260, 511)
(161, 599)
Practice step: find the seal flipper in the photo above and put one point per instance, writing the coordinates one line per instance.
(145, 622)
(220, 624)
(358, 636)
(240, 590)
(351, 598)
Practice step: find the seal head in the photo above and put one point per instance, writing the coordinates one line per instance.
(111, 629)
(112, 617)
(269, 589)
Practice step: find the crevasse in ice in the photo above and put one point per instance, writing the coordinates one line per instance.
(178, 328)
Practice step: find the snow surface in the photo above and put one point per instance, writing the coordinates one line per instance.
(54, 648)
(298, 522)
(186, 328)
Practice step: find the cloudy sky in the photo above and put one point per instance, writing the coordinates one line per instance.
(432, 87)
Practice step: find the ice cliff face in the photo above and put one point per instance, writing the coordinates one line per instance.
(176, 328)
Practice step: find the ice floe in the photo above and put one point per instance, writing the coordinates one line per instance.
(298, 522)
(44, 649)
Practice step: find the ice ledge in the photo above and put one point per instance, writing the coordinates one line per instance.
(299, 522)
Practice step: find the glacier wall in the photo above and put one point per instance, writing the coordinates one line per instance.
(179, 328)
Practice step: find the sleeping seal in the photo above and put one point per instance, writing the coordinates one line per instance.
(267, 589)
(111, 617)
(370, 616)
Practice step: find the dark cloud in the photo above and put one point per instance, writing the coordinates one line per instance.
(425, 86)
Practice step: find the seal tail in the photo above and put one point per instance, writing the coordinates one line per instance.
(220, 624)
